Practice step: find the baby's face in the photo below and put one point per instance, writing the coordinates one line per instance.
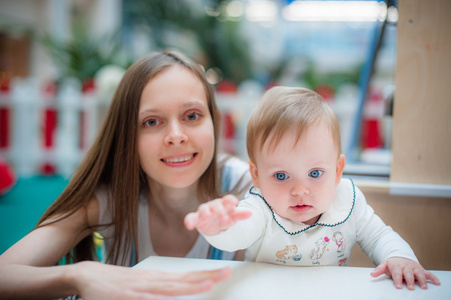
(299, 181)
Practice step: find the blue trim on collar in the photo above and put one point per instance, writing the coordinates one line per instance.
(311, 226)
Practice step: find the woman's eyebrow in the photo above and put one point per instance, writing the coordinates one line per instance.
(148, 110)
(194, 102)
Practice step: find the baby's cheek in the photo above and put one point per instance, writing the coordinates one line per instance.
(276, 196)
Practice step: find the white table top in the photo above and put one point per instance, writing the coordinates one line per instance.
(267, 281)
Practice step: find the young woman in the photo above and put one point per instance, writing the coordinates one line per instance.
(155, 160)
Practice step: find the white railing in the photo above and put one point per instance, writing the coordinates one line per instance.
(47, 132)
(44, 131)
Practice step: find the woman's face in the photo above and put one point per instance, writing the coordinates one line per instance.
(175, 132)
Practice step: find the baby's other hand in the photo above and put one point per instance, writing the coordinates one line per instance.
(400, 269)
(215, 216)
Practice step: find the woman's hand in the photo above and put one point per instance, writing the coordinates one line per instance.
(400, 269)
(98, 281)
(217, 215)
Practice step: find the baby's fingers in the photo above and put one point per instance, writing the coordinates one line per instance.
(409, 278)
(397, 277)
(230, 201)
(205, 213)
(198, 219)
(222, 212)
(234, 213)
(190, 221)
(421, 279)
(432, 278)
(380, 269)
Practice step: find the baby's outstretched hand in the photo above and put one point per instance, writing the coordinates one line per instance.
(400, 269)
(215, 216)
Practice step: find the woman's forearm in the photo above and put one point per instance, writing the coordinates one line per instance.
(26, 282)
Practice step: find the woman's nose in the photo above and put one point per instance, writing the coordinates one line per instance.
(175, 134)
(300, 189)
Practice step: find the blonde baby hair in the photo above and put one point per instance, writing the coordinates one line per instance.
(284, 108)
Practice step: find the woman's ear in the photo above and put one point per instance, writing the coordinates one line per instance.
(340, 167)
(254, 173)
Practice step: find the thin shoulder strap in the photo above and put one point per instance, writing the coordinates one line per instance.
(133, 255)
(226, 179)
(215, 253)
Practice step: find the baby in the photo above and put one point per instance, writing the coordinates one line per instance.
(300, 210)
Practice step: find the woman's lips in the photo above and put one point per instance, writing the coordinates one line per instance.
(179, 161)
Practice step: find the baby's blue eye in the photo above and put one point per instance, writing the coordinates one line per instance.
(281, 176)
(315, 173)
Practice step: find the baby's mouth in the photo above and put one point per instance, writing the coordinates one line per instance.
(301, 208)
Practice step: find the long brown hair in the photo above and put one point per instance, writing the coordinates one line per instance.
(113, 159)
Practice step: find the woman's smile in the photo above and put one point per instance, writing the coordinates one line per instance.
(179, 161)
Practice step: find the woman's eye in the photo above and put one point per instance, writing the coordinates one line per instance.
(151, 122)
(192, 116)
(281, 176)
(315, 173)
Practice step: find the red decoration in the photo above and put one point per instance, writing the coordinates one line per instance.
(326, 91)
(371, 134)
(226, 86)
(4, 113)
(49, 125)
(7, 177)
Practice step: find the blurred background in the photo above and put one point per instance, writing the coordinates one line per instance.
(61, 60)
